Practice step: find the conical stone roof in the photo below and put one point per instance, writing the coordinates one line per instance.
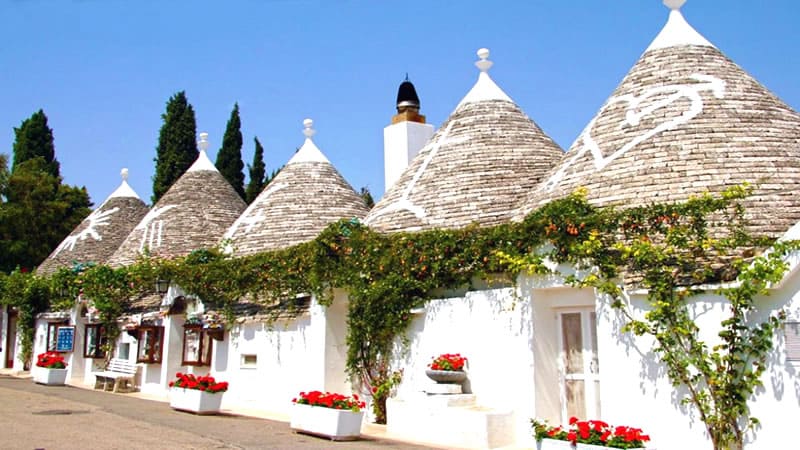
(685, 120)
(475, 169)
(303, 198)
(101, 233)
(194, 213)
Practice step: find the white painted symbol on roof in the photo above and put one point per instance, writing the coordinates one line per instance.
(96, 219)
(403, 203)
(152, 228)
(251, 220)
(634, 114)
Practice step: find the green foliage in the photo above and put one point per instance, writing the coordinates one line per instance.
(256, 172)
(3, 175)
(177, 144)
(34, 139)
(384, 388)
(29, 295)
(229, 158)
(38, 213)
(667, 248)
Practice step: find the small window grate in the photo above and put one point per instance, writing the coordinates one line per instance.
(249, 361)
(791, 331)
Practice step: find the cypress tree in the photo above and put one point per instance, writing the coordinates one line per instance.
(256, 171)
(3, 175)
(229, 158)
(35, 139)
(177, 144)
(367, 197)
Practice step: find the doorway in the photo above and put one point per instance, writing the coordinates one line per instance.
(579, 368)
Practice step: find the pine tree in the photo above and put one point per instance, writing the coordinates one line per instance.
(177, 144)
(229, 158)
(256, 172)
(34, 138)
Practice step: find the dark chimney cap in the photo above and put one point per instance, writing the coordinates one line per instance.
(407, 95)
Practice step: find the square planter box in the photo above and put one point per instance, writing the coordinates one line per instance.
(50, 377)
(194, 400)
(553, 444)
(334, 424)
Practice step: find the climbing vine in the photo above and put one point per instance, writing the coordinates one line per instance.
(666, 248)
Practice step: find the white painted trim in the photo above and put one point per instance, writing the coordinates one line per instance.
(677, 32)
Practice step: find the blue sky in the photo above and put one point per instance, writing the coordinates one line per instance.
(103, 70)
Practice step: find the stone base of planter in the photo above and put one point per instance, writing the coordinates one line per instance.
(451, 421)
(50, 377)
(333, 424)
(443, 389)
(195, 401)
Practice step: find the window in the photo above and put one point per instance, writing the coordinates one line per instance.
(124, 351)
(52, 335)
(150, 340)
(196, 346)
(249, 361)
(791, 331)
(93, 341)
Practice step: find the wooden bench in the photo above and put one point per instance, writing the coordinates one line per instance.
(118, 371)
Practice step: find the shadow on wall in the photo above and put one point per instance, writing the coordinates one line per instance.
(709, 310)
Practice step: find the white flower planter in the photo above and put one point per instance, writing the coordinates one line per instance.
(194, 400)
(335, 424)
(554, 444)
(50, 377)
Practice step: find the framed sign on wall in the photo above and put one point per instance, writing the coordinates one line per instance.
(65, 338)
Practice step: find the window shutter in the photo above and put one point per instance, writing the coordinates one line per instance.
(791, 331)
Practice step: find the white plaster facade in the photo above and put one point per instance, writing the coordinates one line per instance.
(511, 337)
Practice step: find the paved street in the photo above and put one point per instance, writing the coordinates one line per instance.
(65, 417)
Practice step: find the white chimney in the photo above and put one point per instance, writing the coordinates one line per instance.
(406, 136)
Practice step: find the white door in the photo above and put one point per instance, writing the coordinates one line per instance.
(579, 369)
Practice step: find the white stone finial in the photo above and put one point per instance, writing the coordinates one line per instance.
(203, 142)
(308, 131)
(484, 64)
(124, 173)
(674, 4)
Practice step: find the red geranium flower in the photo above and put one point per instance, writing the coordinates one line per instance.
(448, 361)
(594, 432)
(330, 400)
(205, 383)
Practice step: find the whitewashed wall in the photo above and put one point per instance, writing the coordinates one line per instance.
(302, 354)
(493, 329)
(636, 391)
